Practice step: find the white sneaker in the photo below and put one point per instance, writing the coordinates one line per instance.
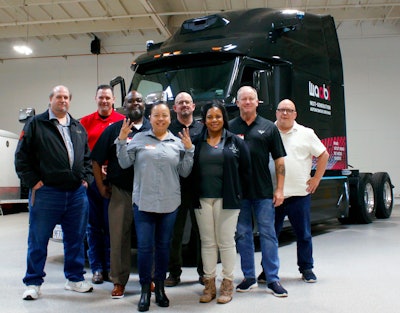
(79, 286)
(32, 292)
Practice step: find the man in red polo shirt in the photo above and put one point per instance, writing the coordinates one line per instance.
(98, 230)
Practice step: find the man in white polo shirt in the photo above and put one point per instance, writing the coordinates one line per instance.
(301, 145)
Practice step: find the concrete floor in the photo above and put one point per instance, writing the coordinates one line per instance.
(357, 269)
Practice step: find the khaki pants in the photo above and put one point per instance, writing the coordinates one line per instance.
(217, 233)
(120, 217)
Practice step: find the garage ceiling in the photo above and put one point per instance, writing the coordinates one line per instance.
(58, 27)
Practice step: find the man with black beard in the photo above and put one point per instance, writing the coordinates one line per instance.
(116, 183)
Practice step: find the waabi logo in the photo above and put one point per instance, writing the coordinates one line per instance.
(322, 92)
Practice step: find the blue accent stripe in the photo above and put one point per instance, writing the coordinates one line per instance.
(333, 177)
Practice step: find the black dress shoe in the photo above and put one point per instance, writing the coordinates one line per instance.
(172, 281)
(201, 280)
(97, 278)
(106, 276)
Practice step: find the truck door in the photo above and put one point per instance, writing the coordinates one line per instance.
(272, 82)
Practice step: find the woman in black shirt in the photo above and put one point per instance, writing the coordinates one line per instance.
(221, 170)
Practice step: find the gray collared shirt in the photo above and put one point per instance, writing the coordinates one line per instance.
(157, 164)
(65, 133)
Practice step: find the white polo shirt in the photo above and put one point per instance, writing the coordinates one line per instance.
(301, 145)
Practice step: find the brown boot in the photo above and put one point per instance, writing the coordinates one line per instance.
(209, 291)
(226, 291)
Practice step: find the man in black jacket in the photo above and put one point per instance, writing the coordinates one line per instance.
(52, 159)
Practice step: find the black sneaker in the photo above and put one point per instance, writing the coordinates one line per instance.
(246, 285)
(172, 281)
(261, 278)
(308, 276)
(277, 290)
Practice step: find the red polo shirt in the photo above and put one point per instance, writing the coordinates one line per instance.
(95, 125)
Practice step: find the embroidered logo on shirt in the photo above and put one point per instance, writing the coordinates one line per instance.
(234, 149)
(261, 131)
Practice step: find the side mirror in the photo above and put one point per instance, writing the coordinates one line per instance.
(25, 114)
(155, 97)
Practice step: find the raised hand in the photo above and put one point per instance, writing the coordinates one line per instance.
(126, 129)
(185, 137)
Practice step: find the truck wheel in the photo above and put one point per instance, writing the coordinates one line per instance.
(366, 205)
(383, 194)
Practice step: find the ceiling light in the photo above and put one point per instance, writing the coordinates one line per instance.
(23, 49)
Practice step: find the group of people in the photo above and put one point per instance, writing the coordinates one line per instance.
(155, 172)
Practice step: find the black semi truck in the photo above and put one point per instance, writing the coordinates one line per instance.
(283, 54)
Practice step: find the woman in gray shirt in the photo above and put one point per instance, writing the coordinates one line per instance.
(159, 158)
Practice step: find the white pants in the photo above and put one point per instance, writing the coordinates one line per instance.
(217, 229)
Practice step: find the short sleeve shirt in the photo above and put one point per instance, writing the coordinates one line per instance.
(95, 125)
(263, 139)
(186, 183)
(301, 144)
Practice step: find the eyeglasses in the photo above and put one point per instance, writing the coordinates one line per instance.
(287, 111)
(182, 102)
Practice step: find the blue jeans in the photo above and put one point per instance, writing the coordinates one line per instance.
(47, 207)
(265, 217)
(297, 209)
(154, 232)
(98, 231)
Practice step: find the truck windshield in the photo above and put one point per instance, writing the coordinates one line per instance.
(204, 81)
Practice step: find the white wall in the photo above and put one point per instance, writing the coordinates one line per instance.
(28, 82)
(371, 78)
(371, 72)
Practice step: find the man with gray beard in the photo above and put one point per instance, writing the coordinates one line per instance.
(116, 183)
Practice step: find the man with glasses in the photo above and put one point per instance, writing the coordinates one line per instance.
(119, 190)
(301, 145)
(263, 140)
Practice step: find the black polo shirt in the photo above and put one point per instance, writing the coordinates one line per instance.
(263, 138)
(186, 183)
(194, 129)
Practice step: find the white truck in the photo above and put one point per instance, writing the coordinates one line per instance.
(10, 185)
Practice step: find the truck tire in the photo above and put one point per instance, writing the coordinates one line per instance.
(383, 194)
(366, 204)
